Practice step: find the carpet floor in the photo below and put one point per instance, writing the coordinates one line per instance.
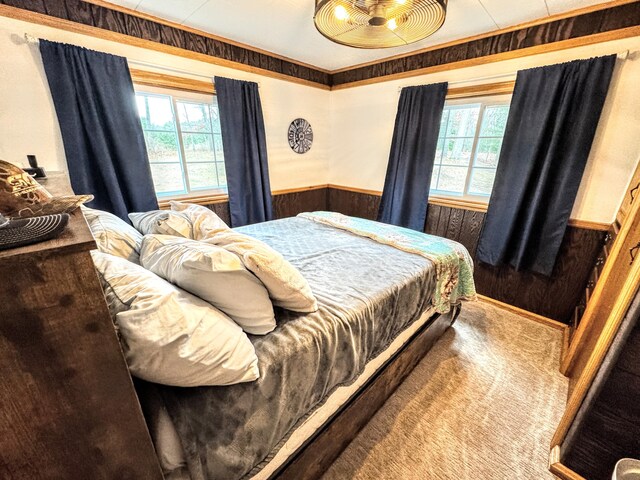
(482, 405)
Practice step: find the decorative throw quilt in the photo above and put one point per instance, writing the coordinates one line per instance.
(454, 267)
(371, 281)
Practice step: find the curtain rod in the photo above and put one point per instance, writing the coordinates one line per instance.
(33, 40)
(624, 55)
(505, 76)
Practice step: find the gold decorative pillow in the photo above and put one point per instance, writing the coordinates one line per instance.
(22, 197)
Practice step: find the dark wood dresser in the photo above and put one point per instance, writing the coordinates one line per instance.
(601, 423)
(607, 427)
(68, 409)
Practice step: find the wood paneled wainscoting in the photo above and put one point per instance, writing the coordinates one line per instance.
(286, 203)
(554, 297)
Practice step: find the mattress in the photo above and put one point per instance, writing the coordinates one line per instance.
(372, 297)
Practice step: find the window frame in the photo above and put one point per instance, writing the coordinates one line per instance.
(185, 90)
(483, 101)
(499, 93)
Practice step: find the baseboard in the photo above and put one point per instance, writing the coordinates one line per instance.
(536, 318)
(560, 470)
(525, 313)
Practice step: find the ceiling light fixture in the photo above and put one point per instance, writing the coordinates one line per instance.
(378, 23)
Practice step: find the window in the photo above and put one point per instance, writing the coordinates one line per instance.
(182, 133)
(469, 145)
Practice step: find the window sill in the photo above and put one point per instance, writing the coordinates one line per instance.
(207, 199)
(459, 202)
(221, 196)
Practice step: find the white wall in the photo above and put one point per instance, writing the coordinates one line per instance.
(352, 127)
(28, 122)
(362, 121)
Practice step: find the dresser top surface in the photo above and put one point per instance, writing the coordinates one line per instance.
(75, 237)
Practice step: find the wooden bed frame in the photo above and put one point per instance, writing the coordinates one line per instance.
(316, 454)
(314, 457)
(67, 399)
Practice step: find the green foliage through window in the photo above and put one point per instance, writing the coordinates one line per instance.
(184, 143)
(468, 148)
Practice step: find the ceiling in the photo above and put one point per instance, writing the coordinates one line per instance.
(285, 27)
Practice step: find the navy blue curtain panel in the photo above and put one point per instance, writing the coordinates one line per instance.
(552, 121)
(406, 186)
(245, 151)
(101, 131)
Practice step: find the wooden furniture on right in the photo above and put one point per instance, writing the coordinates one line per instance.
(602, 419)
(601, 424)
(621, 252)
(593, 450)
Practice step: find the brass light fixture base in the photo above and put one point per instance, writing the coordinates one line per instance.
(379, 23)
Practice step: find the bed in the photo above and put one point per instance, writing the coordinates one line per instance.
(382, 291)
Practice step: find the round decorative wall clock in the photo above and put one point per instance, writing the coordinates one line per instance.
(300, 135)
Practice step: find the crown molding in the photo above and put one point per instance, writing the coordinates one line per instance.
(99, 18)
(500, 31)
(162, 21)
(98, 21)
(492, 33)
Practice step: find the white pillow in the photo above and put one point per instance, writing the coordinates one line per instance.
(113, 235)
(286, 285)
(170, 336)
(162, 222)
(213, 274)
(205, 222)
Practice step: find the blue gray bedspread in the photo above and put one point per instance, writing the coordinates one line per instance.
(368, 293)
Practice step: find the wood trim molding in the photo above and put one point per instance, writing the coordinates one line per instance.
(99, 18)
(585, 380)
(355, 189)
(458, 203)
(499, 57)
(156, 79)
(566, 339)
(564, 473)
(520, 26)
(483, 90)
(223, 197)
(153, 79)
(163, 203)
(105, 34)
(473, 205)
(526, 314)
(202, 33)
(433, 200)
(558, 469)
(605, 227)
(285, 191)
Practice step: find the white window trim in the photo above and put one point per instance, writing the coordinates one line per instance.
(484, 101)
(176, 96)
